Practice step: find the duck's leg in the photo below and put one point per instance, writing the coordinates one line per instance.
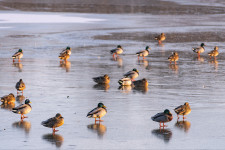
(170, 62)
(143, 57)
(214, 57)
(100, 120)
(24, 116)
(138, 57)
(210, 57)
(54, 130)
(19, 60)
(13, 60)
(22, 92)
(184, 117)
(175, 62)
(164, 125)
(21, 117)
(177, 117)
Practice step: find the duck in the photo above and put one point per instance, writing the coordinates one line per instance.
(140, 83)
(20, 86)
(117, 51)
(98, 112)
(183, 110)
(214, 52)
(18, 55)
(132, 74)
(143, 53)
(67, 50)
(64, 56)
(163, 117)
(54, 122)
(160, 38)
(200, 49)
(174, 57)
(23, 109)
(8, 99)
(102, 79)
(125, 82)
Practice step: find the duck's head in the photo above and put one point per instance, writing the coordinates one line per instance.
(144, 80)
(27, 101)
(106, 76)
(162, 33)
(202, 45)
(58, 115)
(11, 94)
(175, 53)
(101, 105)
(147, 48)
(20, 50)
(186, 103)
(216, 48)
(167, 112)
(68, 47)
(135, 70)
(20, 80)
(119, 46)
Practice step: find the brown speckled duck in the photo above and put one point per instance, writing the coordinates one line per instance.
(20, 86)
(54, 122)
(8, 99)
(183, 110)
(174, 57)
(102, 79)
(160, 38)
(214, 52)
(141, 83)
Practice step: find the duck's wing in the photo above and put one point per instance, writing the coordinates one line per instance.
(16, 54)
(170, 57)
(63, 51)
(98, 79)
(17, 85)
(113, 50)
(159, 117)
(128, 73)
(20, 108)
(140, 52)
(94, 111)
(180, 109)
(50, 122)
(157, 37)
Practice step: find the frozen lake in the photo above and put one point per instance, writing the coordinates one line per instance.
(128, 124)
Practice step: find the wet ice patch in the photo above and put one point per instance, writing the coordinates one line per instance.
(44, 18)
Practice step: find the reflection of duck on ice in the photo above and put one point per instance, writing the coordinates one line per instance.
(55, 139)
(23, 125)
(98, 128)
(183, 125)
(164, 134)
